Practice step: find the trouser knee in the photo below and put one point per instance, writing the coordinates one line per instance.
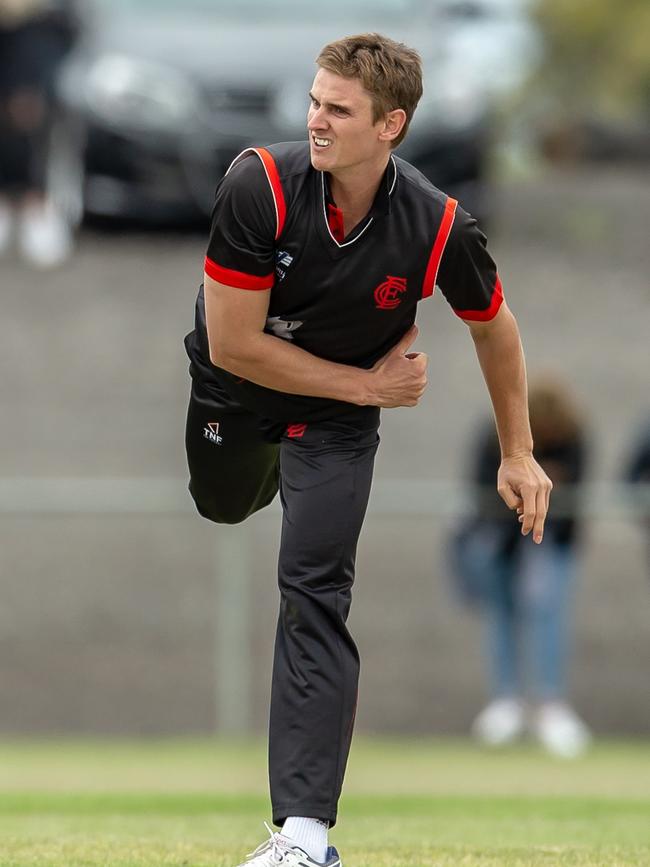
(231, 509)
(211, 508)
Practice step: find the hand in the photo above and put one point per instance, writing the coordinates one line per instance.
(524, 486)
(400, 377)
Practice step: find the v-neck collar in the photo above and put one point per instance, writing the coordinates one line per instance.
(381, 206)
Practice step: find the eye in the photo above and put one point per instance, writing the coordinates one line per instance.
(314, 102)
(342, 112)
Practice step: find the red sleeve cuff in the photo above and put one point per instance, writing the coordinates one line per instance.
(238, 279)
(490, 312)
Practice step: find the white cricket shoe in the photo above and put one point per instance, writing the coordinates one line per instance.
(280, 850)
(560, 730)
(500, 723)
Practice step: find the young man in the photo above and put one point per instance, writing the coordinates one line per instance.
(318, 255)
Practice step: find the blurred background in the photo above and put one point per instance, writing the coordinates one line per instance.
(122, 611)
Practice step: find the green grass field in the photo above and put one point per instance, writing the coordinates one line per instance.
(406, 803)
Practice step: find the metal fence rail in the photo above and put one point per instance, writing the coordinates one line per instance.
(389, 496)
(74, 497)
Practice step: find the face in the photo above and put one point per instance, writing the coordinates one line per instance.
(342, 135)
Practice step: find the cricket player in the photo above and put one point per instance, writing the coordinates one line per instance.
(319, 254)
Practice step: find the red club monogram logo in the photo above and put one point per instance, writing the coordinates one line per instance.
(387, 294)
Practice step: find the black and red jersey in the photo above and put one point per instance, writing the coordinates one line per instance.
(345, 299)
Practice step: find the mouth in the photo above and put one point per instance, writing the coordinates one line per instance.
(321, 143)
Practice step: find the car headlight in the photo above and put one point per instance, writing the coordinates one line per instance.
(139, 94)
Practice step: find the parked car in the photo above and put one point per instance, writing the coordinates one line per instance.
(497, 40)
(159, 96)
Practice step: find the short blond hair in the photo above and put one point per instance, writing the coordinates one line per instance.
(390, 71)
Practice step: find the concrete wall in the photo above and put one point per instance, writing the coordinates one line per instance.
(110, 623)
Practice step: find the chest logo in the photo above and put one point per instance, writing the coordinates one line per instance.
(282, 262)
(387, 294)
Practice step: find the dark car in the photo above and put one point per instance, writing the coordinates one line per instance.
(160, 95)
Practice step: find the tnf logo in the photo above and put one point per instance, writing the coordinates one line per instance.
(211, 432)
(387, 294)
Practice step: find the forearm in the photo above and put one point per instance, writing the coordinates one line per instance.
(501, 358)
(281, 365)
(235, 323)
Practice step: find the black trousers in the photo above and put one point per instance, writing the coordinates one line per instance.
(323, 471)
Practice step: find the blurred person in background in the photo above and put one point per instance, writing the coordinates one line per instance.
(319, 253)
(637, 473)
(34, 36)
(525, 592)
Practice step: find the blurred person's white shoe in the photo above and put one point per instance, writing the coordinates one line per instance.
(44, 237)
(560, 730)
(500, 723)
(6, 226)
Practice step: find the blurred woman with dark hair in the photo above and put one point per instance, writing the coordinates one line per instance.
(527, 590)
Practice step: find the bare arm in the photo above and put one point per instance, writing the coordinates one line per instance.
(235, 322)
(522, 483)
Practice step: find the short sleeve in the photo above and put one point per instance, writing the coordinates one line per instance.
(241, 246)
(468, 276)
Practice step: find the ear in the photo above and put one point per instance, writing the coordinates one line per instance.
(393, 124)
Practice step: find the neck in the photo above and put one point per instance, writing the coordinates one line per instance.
(354, 189)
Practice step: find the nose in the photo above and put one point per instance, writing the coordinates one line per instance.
(316, 119)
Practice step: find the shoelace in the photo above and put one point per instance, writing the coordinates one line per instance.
(271, 846)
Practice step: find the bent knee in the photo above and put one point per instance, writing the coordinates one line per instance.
(217, 512)
(220, 517)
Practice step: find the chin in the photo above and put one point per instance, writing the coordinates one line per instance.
(320, 161)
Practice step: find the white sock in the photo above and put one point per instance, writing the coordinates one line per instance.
(309, 834)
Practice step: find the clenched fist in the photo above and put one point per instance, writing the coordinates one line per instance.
(400, 377)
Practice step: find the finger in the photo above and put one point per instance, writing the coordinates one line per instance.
(421, 358)
(406, 341)
(509, 497)
(530, 507)
(540, 517)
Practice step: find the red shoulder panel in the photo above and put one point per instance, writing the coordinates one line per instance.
(276, 188)
(439, 247)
